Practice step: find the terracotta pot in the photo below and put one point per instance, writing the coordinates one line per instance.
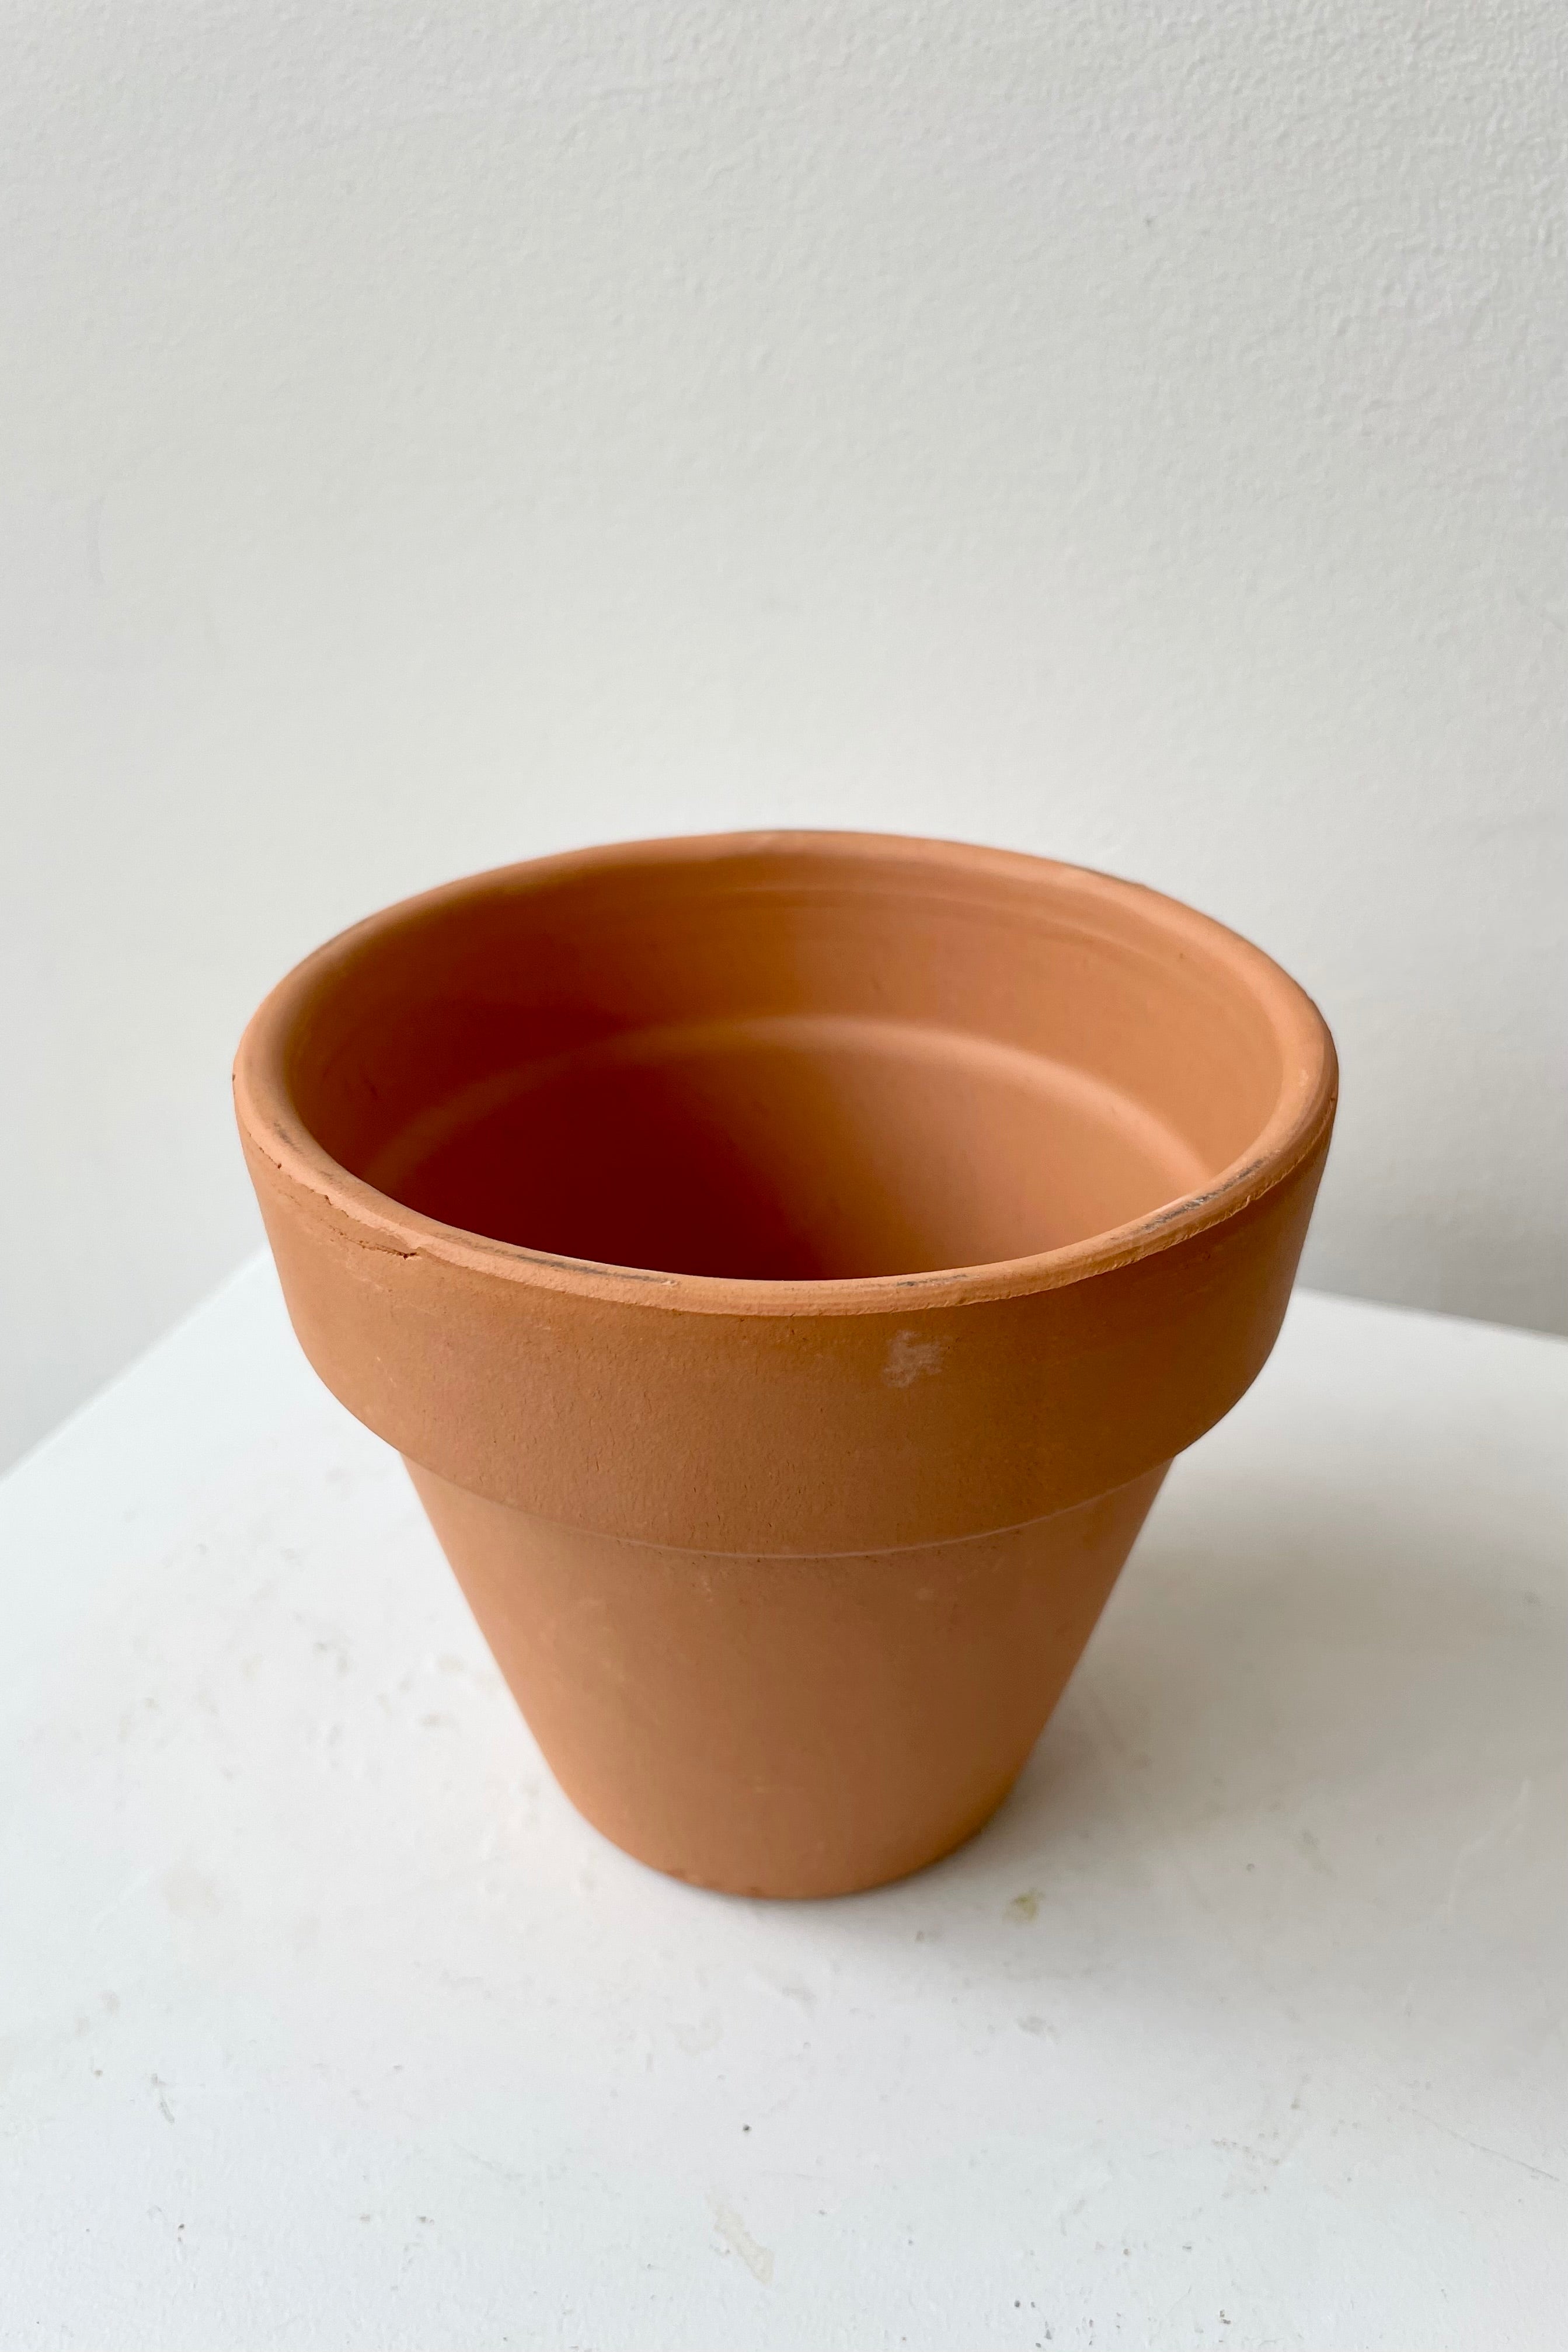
(788, 1264)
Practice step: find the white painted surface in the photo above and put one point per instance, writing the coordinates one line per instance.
(431, 437)
(326, 2022)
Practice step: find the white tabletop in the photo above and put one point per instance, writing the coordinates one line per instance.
(325, 2022)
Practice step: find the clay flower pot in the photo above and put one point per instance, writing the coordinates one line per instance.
(787, 1264)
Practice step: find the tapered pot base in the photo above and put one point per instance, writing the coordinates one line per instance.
(777, 1725)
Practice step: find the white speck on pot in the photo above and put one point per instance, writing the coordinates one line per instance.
(909, 1358)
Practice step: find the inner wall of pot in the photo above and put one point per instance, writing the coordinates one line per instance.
(783, 1065)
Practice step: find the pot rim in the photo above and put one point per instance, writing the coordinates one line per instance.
(272, 1125)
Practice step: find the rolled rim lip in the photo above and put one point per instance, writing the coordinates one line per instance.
(271, 1123)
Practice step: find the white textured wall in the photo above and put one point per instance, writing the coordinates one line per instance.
(431, 436)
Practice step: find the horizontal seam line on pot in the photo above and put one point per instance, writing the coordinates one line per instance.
(808, 1559)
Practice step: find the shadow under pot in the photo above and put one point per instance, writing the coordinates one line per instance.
(787, 1264)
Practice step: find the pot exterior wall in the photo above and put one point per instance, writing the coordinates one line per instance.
(808, 1726)
(741, 1433)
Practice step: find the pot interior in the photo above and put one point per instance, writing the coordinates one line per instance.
(786, 1062)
